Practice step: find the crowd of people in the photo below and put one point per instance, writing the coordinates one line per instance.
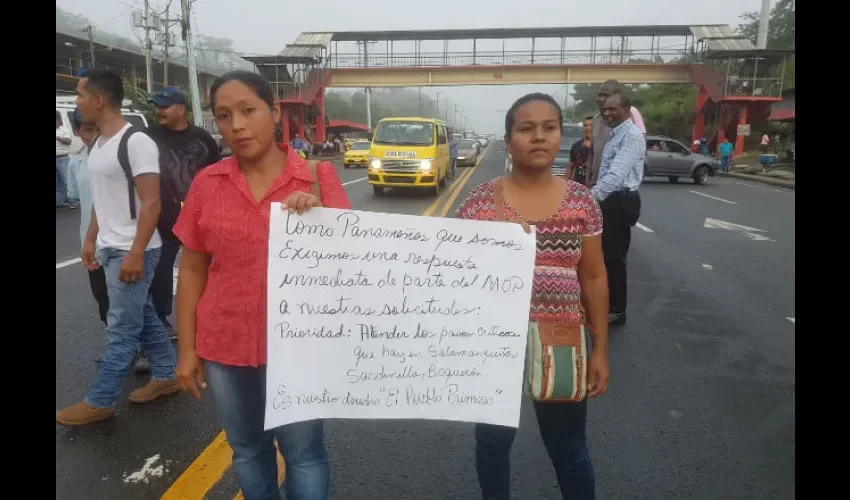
(147, 194)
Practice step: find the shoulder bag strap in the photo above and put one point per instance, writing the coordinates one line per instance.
(499, 204)
(124, 161)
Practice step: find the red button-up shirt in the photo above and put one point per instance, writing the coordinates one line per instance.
(220, 217)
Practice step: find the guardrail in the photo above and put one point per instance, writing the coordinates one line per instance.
(505, 58)
(753, 87)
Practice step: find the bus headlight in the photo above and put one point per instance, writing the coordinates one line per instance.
(375, 163)
(425, 165)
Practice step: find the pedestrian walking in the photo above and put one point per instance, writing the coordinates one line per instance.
(122, 238)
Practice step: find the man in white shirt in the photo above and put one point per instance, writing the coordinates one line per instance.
(122, 238)
(63, 144)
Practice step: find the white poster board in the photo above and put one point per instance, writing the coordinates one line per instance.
(375, 315)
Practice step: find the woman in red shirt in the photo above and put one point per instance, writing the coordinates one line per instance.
(221, 291)
(569, 288)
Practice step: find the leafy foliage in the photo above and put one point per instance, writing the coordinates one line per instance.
(141, 102)
(385, 103)
(781, 33)
(667, 109)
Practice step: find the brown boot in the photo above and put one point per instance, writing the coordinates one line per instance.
(153, 390)
(82, 414)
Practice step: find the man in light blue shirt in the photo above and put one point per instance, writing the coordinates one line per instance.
(78, 188)
(616, 190)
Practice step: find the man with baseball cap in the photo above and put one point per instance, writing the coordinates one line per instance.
(184, 149)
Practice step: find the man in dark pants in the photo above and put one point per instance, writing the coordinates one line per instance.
(184, 149)
(616, 189)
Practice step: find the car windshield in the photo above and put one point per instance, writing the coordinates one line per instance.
(404, 133)
(361, 146)
(466, 144)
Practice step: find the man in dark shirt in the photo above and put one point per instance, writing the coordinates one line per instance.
(184, 149)
(579, 154)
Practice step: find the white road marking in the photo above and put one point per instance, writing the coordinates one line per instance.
(749, 232)
(355, 180)
(708, 266)
(715, 198)
(792, 320)
(66, 263)
(644, 228)
(146, 472)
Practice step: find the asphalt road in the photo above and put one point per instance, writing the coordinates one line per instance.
(700, 406)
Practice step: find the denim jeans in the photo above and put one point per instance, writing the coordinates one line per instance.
(131, 320)
(162, 287)
(562, 427)
(240, 394)
(724, 163)
(62, 180)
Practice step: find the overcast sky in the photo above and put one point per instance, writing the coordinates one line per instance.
(266, 26)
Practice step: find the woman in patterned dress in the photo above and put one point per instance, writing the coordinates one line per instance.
(570, 287)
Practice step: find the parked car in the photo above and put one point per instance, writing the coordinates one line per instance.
(666, 157)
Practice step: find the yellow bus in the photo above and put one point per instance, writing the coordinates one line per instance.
(409, 152)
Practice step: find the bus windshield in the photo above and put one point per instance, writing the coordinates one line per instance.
(404, 133)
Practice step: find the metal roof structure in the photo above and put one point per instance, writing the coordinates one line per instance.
(721, 38)
(482, 34)
(306, 48)
(118, 43)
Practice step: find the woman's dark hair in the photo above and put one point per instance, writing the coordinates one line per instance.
(105, 82)
(251, 80)
(536, 96)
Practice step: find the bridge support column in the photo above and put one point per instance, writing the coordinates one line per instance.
(320, 116)
(284, 124)
(302, 124)
(699, 123)
(739, 139)
(721, 131)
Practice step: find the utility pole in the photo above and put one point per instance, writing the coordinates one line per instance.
(764, 22)
(167, 42)
(193, 72)
(91, 43)
(148, 48)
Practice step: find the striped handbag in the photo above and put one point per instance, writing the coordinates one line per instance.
(555, 363)
(556, 355)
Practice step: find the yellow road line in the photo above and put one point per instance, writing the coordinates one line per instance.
(457, 184)
(204, 472)
(207, 470)
(450, 201)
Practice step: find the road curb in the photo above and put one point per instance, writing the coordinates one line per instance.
(761, 179)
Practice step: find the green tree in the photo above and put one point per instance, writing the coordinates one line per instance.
(781, 33)
(385, 103)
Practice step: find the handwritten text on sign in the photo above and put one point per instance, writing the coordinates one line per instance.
(375, 315)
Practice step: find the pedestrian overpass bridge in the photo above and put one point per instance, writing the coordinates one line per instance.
(730, 75)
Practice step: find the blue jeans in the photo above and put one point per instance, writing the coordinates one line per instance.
(62, 180)
(724, 163)
(131, 320)
(240, 394)
(562, 427)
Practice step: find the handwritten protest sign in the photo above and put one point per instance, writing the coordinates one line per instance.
(374, 315)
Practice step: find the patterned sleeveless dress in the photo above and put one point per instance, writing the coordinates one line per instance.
(556, 293)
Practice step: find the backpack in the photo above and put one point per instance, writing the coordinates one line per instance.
(124, 161)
